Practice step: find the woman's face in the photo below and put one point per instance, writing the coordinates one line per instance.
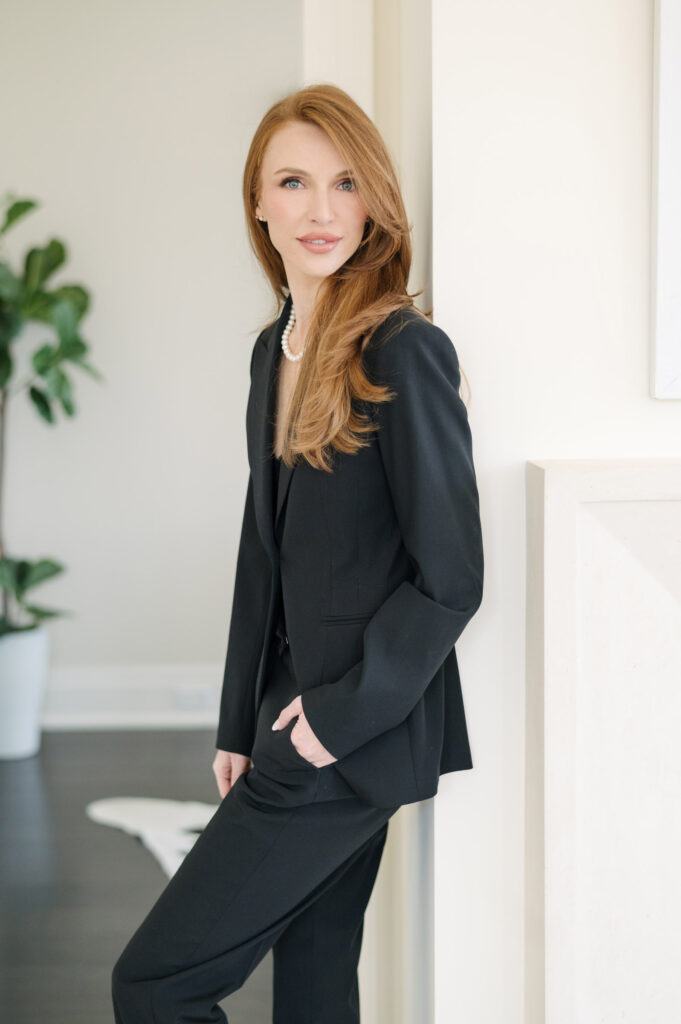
(306, 191)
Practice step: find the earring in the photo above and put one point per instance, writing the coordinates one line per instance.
(262, 219)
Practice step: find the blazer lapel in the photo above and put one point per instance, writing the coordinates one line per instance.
(285, 475)
(263, 477)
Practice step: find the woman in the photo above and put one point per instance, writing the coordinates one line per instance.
(360, 563)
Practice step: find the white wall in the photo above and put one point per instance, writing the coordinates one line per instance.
(130, 122)
(541, 213)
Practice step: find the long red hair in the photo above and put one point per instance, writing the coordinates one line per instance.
(351, 302)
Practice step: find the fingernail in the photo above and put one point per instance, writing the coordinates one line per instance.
(275, 725)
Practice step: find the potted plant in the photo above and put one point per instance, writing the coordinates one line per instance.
(24, 651)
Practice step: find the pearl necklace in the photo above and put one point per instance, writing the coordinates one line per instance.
(284, 338)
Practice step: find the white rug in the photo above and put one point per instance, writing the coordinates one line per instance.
(166, 827)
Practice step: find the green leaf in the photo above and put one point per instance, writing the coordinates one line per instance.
(17, 210)
(68, 406)
(64, 316)
(76, 295)
(38, 572)
(47, 362)
(41, 263)
(89, 369)
(19, 574)
(13, 572)
(37, 305)
(11, 323)
(44, 358)
(57, 383)
(8, 575)
(11, 628)
(73, 349)
(10, 285)
(41, 403)
(6, 366)
(44, 613)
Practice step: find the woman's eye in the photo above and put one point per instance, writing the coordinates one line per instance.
(345, 181)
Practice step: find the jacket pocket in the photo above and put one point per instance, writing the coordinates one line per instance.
(332, 620)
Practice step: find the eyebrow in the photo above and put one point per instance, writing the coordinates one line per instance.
(297, 170)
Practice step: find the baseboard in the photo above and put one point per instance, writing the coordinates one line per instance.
(130, 697)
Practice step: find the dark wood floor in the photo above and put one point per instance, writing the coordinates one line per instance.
(72, 891)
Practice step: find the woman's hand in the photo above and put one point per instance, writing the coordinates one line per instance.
(227, 768)
(302, 737)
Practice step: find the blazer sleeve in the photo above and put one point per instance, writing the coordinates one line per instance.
(425, 445)
(236, 725)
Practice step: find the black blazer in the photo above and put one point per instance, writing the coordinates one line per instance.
(380, 566)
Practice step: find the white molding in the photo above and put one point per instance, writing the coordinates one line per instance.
(133, 697)
(665, 254)
(558, 496)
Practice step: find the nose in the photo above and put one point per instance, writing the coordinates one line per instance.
(321, 207)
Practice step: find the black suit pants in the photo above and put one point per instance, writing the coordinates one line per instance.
(287, 862)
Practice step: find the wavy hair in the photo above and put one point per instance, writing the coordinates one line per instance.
(353, 301)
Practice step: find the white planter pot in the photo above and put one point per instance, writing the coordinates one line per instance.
(24, 660)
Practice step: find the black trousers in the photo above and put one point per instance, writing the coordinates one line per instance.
(287, 862)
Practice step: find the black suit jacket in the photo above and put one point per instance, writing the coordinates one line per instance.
(380, 566)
